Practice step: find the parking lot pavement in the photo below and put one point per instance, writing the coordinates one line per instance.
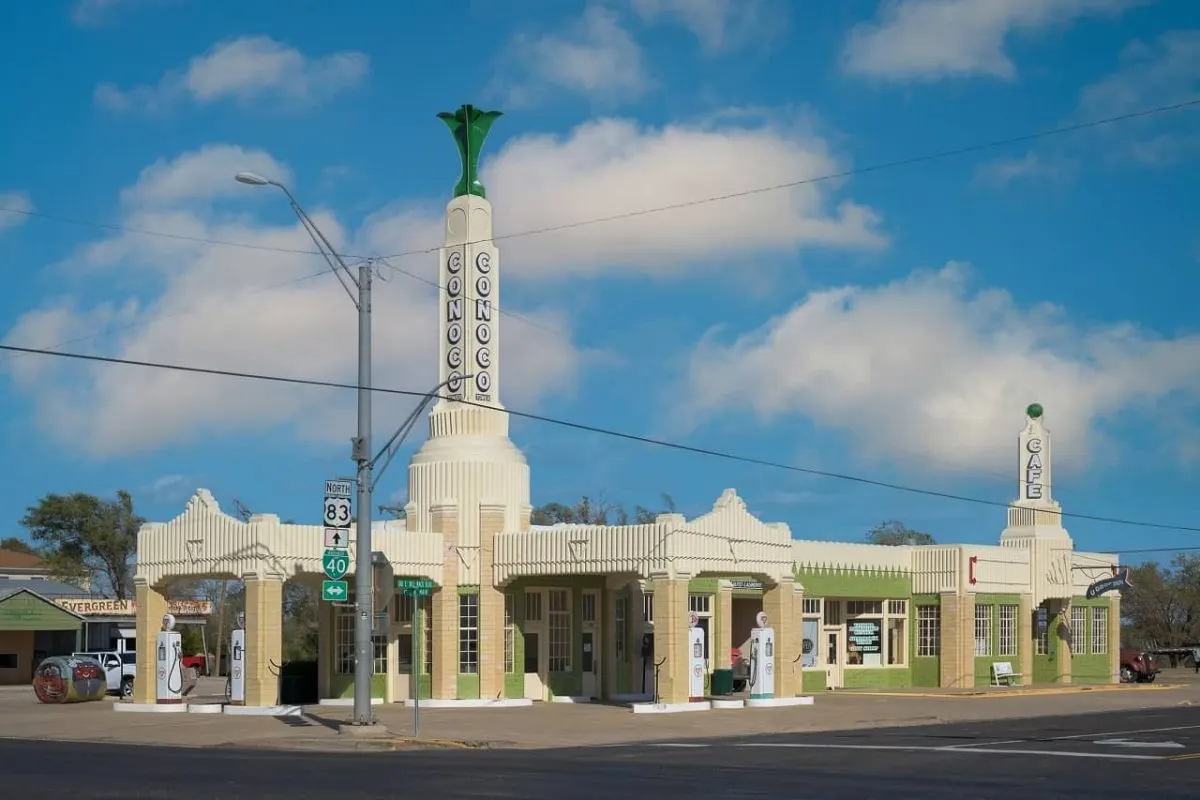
(1164, 736)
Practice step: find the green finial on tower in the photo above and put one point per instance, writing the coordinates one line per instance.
(470, 127)
(1034, 410)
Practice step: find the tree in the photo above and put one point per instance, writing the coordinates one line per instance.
(894, 534)
(597, 512)
(1162, 607)
(85, 539)
(15, 545)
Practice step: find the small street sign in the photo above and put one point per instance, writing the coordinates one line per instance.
(333, 591)
(337, 538)
(415, 587)
(339, 488)
(337, 512)
(336, 564)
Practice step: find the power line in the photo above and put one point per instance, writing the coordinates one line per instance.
(879, 167)
(598, 430)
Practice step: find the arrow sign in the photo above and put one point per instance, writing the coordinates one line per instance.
(1127, 743)
(334, 590)
(337, 538)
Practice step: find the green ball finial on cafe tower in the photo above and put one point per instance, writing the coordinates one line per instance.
(470, 127)
(1034, 410)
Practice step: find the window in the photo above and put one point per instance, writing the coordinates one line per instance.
(898, 608)
(620, 628)
(343, 640)
(560, 631)
(379, 647)
(857, 608)
(1041, 624)
(587, 609)
(8, 661)
(983, 630)
(468, 634)
(929, 630)
(896, 640)
(833, 612)
(1008, 630)
(510, 633)
(405, 615)
(700, 603)
(648, 608)
(1099, 631)
(1078, 629)
(812, 606)
(402, 609)
(533, 606)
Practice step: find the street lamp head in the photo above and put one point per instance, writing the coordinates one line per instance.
(251, 179)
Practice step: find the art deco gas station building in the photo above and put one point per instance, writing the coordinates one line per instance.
(523, 612)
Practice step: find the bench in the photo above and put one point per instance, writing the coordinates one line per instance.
(1002, 673)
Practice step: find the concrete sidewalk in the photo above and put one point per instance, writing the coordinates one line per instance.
(552, 725)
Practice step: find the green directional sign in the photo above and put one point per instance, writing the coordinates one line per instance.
(416, 587)
(333, 591)
(336, 564)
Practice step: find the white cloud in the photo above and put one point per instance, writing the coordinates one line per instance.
(205, 174)
(246, 69)
(611, 167)
(94, 12)
(208, 309)
(1001, 173)
(1150, 75)
(922, 370)
(938, 39)
(18, 205)
(596, 57)
(720, 24)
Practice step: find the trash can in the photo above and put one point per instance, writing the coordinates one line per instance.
(722, 682)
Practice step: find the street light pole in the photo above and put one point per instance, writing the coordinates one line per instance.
(364, 643)
(364, 661)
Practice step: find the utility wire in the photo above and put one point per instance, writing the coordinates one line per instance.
(579, 426)
(885, 165)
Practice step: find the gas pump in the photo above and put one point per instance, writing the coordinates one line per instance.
(762, 660)
(647, 661)
(237, 661)
(696, 663)
(168, 663)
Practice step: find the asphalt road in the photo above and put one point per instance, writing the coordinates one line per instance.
(1095, 756)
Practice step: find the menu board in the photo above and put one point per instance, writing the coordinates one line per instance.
(865, 636)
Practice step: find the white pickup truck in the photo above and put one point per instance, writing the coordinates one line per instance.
(120, 668)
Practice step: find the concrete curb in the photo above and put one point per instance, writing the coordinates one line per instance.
(341, 745)
(1018, 692)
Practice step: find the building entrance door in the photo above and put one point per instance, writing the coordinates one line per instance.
(535, 687)
(590, 663)
(833, 658)
(589, 655)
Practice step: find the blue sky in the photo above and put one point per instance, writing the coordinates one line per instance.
(892, 324)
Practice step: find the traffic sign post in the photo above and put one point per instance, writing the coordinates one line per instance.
(416, 588)
(334, 591)
(336, 564)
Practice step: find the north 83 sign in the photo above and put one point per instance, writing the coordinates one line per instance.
(337, 512)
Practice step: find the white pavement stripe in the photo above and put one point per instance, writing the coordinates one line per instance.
(985, 744)
(1127, 743)
(1121, 733)
(952, 749)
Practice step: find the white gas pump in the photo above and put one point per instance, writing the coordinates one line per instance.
(696, 662)
(762, 660)
(168, 663)
(237, 661)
